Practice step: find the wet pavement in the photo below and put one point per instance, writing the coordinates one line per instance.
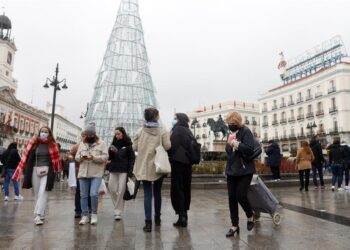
(314, 220)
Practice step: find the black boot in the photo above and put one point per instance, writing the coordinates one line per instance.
(148, 226)
(157, 220)
(181, 222)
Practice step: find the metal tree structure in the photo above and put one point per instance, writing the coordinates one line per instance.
(124, 86)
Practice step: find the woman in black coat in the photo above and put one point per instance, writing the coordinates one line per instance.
(239, 170)
(11, 159)
(121, 162)
(181, 168)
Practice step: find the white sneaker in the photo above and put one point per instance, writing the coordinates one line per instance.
(117, 217)
(347, 188)
(333, 187)
(84, 220)
(18, 198)
(93, 219)
(6, 198)
(38, 221)
(340, 189)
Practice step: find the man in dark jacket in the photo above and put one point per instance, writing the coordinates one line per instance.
(346, 164)
(274, 159)
(317, 164)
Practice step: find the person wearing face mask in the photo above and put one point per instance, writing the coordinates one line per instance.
(41, 161)
(92, 155)
(239, 170)
(181, 168)
(122, 158)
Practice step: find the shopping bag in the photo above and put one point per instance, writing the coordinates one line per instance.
(103, 189)
(130, 186)
(161, 160)
(72, 179)
(127, 196)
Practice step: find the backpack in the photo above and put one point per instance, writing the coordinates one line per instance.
(194, 150)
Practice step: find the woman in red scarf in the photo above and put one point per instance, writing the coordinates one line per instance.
(41, 161)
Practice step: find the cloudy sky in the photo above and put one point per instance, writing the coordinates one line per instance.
(201, 51)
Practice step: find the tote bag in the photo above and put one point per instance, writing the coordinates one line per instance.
(72, 179)
(161, 160)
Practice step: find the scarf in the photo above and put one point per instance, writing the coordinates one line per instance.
(54, 156)
(151, 125)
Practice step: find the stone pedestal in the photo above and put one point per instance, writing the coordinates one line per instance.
(219, 146)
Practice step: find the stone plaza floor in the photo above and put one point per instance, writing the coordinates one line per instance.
(319, 219)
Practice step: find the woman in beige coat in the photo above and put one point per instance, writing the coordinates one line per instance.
(147, 140)
(304, 164)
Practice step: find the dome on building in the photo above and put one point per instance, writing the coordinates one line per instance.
(5, 22)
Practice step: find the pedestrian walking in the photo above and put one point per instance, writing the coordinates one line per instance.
(346, 164)
(41, 162)
(318, 162)
(121, 163)
(181, 167)
(274, 159)
(11, 159)
(337, 156)
(146, 141)
(304, 159)
(92, 156)
(239, 170)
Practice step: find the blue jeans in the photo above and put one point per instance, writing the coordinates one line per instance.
(337, 173)
(319, 169)
(9, 173)
(157, 189)
(86, 184)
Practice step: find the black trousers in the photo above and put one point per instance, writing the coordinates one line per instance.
(275, 173)
(180, 192)
(301, 178)
(77, 199)
(237, 187)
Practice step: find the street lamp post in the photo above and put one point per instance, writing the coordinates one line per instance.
(310, 126)
(55, 83)
(193, 125)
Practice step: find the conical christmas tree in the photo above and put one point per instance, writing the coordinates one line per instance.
(124, 86)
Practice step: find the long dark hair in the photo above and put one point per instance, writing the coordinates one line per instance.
(126, 139)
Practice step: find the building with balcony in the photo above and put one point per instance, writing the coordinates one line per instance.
(213, 141)
(314, 99)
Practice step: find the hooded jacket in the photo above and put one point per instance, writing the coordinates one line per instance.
(181, 139)
(337, 154)
(274, 155)
(145, 144)
(317, 151)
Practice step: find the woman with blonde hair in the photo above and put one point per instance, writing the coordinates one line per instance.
(41, 161)
(239, 170)
(304, 164)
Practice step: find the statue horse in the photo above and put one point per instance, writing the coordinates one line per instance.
(218, 126)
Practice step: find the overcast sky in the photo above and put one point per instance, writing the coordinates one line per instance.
(201, 51)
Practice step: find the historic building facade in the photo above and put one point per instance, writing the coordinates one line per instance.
(203, 120)
(315, 101)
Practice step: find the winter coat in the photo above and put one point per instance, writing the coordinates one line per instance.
(304, 159)
(95, 167)
(29, 171)
(274, 155)
(317, 151)
(181, 139)
(145, 144)
(123, 160)
(237, 165)
(337, 154)
(11, 158)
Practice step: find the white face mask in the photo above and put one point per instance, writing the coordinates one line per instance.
(173, 122)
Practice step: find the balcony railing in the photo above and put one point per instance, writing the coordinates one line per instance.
(310, 115)
(291, 119)
(254, 123)
(308, 98)
(275, 122)
(284, 138)
(264, 110)
(283, 121)
(276, 139)
(334, 131)
(265, 140)
(333, 110)
(265, 124)
(290, 103)
(321, 132)
(318, 94)
(319, 112)
(299, 100)
(282, 105)
(274, 107)
(301, 136)
(292, 137)
(300, 117)
(332, 90)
